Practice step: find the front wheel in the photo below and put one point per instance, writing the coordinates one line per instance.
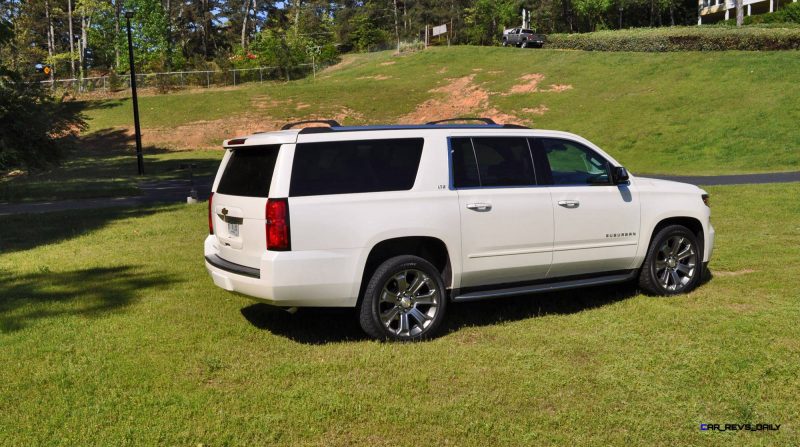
(505, 42)
(674, 262)
(405, 300)
(525, 44)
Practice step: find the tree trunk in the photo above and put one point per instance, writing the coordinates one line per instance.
(50, 41)
(405, 19)
(396, 27)
(72, 41)
(84, 41)
(297, 17)
(671, 14)
(168, 34)
(117, 14)
(205, 29)
(244, 23)
(739, 13)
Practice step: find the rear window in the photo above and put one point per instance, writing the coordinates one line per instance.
(345, 167)
(249, 171)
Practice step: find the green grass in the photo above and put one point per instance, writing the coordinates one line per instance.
(112, 333)
(673, 113)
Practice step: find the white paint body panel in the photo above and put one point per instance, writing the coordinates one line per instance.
(525, 236)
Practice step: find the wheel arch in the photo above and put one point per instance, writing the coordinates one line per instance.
(430, 248)
(691, 223)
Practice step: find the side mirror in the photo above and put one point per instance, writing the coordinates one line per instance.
(619, 175)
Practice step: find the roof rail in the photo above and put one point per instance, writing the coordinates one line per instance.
(331, 123)
(487, 121)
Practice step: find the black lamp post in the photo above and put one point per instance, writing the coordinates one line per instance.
(620, 16)
(137, 128)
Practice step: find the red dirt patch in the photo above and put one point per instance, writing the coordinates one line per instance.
(462, 97)
(527, 84)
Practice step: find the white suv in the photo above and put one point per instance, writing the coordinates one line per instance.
(399, 220)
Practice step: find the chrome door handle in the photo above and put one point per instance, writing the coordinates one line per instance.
(480, 207)
(569, 203)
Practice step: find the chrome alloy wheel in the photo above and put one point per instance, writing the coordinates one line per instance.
(676, 263)
(408, 303)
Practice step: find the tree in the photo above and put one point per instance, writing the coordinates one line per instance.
(34, 127)
(739, 13)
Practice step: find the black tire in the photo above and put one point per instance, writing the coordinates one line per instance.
(674, 262)
(524, 44)
(505, 42)
(381, 301)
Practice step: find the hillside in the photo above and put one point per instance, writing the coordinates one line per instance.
(689, 112)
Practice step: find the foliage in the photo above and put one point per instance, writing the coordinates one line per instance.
(366, 33)
(487, 19)
(33, 125)
(152, 49)
(787, 14)
(713, 38)
(592, 10)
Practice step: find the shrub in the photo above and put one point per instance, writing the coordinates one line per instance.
(411, 47)
(35, 128)
(706, 38)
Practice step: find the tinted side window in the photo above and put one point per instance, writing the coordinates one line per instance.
(491, 162)
(572, 163)
(504, 161)
(465, 168)
(344, 167)
(249, 171)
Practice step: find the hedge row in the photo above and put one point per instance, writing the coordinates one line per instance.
(697, 38)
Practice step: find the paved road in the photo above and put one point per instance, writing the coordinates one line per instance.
(173, 191)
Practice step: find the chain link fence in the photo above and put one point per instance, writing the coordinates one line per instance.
(181, 79)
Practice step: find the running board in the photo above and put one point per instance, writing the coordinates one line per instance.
(545, 287)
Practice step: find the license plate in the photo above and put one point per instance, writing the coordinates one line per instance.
(233, 230)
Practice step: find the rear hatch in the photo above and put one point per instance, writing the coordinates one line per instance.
(239, 203)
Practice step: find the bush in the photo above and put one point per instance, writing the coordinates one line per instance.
(411, 47)
(700, 38)
(34, 127)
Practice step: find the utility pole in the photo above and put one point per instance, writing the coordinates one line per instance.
(137, 128)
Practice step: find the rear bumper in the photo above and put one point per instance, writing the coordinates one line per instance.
(310, 278)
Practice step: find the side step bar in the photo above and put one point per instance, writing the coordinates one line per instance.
(544, 287)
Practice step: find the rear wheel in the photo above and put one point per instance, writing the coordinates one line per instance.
(673, 264)
(404, 300)
(524, 44)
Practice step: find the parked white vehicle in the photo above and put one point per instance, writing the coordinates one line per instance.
(398, 221)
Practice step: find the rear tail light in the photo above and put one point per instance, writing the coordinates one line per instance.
(210, 214)
(278, 225)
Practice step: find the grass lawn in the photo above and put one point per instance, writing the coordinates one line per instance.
(668, 113)
(111, 333)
